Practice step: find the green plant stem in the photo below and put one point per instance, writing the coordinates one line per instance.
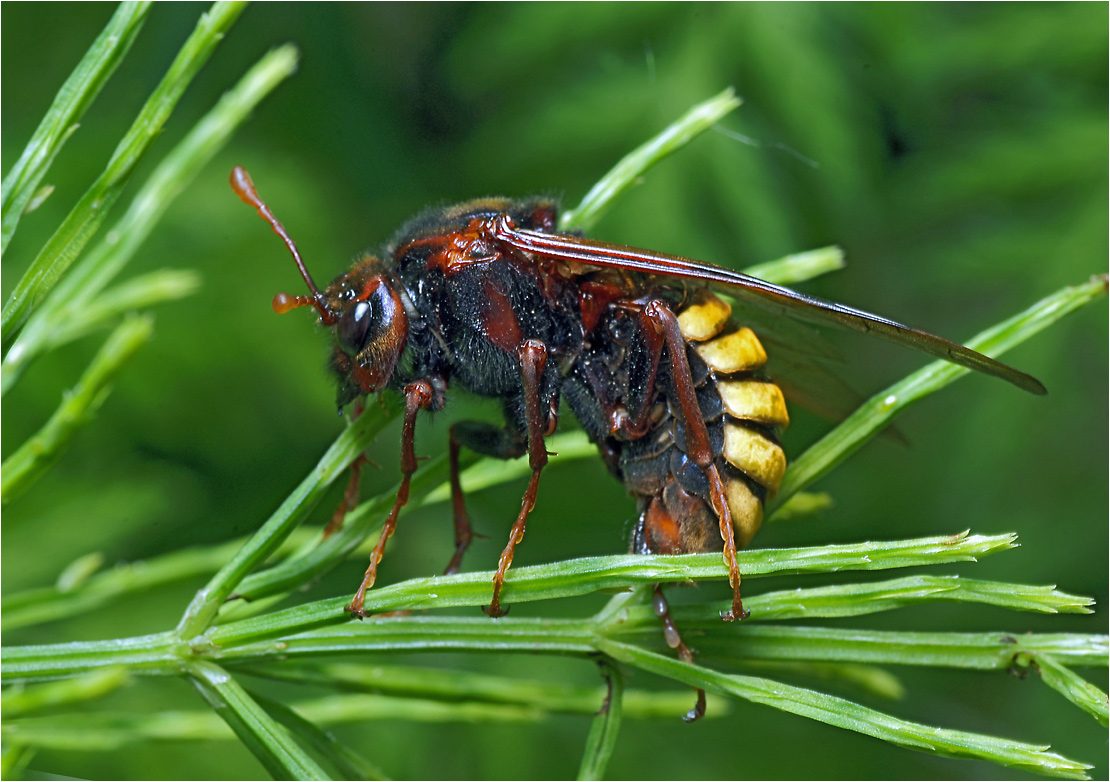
(1073, 687)
(159, 654)
(876, 413)
(74, 233)
(241, 643)
(333, 631)
(75, 96)
(591, 574)
(842, 713)
(428, 486)
(465, 686)
(976, 651)
(633, 165)
(606, 725)
(35, 456)
(34, 606)
(856, 599)
(799, 267)
(263, 736)
(77, 305)
(345, 760)
(20, 701)
(350, 443)
(163, 655)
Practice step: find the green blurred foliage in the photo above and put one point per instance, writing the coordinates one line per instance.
(957, 152)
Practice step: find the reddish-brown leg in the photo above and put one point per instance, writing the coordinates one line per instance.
(350, 497)
(463, 531)
(533, 359)
(674, 640)
(697, 440)
(485, 439)
(418, 396)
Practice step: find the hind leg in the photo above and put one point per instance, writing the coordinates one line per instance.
(662, 319)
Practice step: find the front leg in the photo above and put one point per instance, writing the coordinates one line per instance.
(419, 395)
(533, 359)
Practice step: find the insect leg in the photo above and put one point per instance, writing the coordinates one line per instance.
(418, 396)
(533, 359)
(487, 440)
(660, 316)
(674, 640)
(350, 497)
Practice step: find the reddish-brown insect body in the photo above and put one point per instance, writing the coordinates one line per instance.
(490, 296)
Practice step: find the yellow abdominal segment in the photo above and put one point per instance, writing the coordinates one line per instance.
(754, 409)
(704, 319)
(753, 400)
(738, 351)
(755, 455)
(747, 511)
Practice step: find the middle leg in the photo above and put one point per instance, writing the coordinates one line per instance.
(487, 440)
(533, 360)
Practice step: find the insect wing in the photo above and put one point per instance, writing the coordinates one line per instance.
(767, 296)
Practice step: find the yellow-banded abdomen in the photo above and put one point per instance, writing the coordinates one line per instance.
(744, 412)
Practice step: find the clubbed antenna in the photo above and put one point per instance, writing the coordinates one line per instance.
(243, 186)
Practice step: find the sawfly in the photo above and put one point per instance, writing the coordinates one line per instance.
(490, 295)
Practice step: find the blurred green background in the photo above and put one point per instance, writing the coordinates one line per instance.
(957, 152)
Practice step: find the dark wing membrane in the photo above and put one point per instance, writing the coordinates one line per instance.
(773, 298)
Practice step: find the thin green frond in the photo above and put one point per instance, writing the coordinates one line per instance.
(82, 223)
(262, 735)
(81, 88)
(844, 714)
(632, 166)
(78, 406)
(1073, 687)
(606, 725)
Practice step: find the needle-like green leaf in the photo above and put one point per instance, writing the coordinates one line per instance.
(71, 237)
(75, 96)
(606, 725)
(632, 166)
(282, 757)
(35, 456)
(79, 302)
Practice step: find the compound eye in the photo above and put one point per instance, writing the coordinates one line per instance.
(353, 326)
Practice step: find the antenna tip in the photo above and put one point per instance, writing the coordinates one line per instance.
(243, 186)
(283, 302)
